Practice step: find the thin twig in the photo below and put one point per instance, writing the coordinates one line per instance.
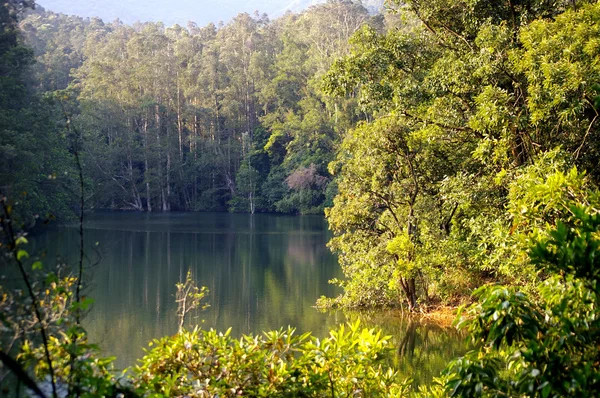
(73, 131)
(585, 136)
(81, 240)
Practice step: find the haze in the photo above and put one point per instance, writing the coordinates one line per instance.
(174, 11)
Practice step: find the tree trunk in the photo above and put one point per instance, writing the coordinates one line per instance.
(168, 202)
(146, 169)
(179, 121)
(410, 292)
(163, 198)
(195, 174)
(409, 284)
(136, 195)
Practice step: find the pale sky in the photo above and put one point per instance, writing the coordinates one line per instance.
(172, 11)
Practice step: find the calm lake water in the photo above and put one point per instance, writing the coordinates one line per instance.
(263, 272)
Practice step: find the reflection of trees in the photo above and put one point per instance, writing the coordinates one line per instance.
(406, 347)
(263, 272)
(422, 348)
(307, 249)
(275, 288)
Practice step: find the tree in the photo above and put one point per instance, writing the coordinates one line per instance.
(462, 83)
(36, 168)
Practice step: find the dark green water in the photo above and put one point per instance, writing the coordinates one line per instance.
(263, 272)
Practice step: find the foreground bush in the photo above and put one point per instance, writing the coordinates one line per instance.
(203, 363)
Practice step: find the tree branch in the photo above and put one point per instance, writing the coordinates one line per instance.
(16, 368)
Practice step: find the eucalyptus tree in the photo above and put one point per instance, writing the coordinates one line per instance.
(305, 124)
(112, 122)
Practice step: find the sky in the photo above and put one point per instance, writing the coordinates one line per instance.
(173, 11)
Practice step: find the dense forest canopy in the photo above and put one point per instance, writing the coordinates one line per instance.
(473, 104)
(228, 117)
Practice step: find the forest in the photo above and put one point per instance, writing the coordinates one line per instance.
(227, 118)
(452, 145)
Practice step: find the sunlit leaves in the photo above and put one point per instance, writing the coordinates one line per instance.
(277, 364)
(560, 62)
(543, 344)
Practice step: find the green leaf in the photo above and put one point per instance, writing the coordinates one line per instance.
(22, 254)
(21, 240)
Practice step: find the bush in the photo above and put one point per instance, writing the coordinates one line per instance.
(544, 344)
(199, 363)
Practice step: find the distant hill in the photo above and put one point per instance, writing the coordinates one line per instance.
(181, 11)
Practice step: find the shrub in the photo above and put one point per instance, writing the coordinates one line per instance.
(199, 363)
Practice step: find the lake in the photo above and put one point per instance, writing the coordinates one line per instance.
(263, 271)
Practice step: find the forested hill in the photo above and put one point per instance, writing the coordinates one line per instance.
(207, 118)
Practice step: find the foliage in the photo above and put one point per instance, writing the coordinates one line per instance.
(199, 118)
(80, 368)
(278, 364)
(466, 110)
(36, 169)
(41, 326)
(543, 344)
(188, 297)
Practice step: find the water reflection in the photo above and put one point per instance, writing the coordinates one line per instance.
(263, 272)
(422, 348)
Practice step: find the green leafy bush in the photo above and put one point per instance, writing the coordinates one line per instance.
(543, 344)
(200, 363)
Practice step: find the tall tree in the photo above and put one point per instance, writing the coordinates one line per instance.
(455, 94)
